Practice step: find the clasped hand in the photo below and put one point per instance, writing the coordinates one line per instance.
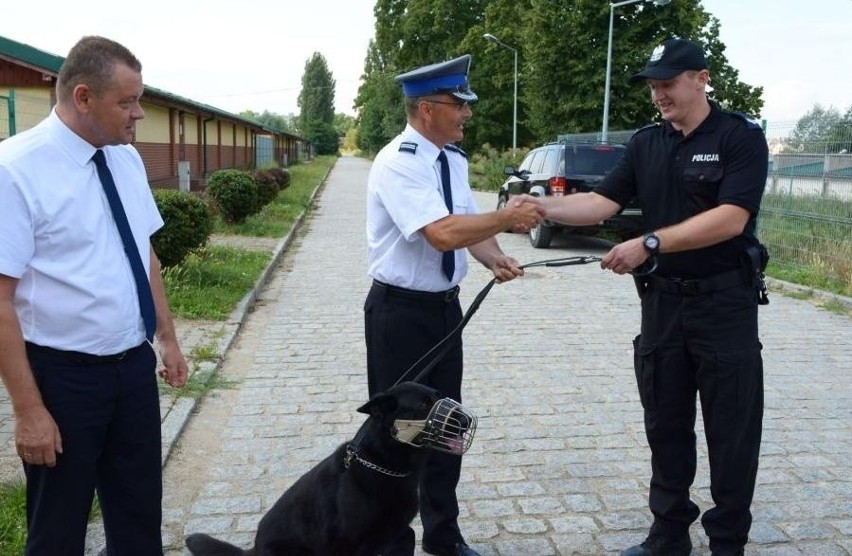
(525, 212)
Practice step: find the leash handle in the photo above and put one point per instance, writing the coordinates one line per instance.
(444, 345)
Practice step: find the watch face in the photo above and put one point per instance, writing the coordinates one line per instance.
(652, 242)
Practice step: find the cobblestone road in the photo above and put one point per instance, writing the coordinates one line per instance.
(559, 464)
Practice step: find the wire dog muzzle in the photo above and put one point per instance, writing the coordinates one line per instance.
(448, 428)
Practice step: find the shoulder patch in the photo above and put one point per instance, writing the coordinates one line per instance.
(751, 123)
(408, 146)
(455, 149)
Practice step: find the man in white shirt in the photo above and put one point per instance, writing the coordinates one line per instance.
(421, 216)
(75, 327)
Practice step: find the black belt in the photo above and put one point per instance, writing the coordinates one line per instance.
(432, 297)
(83, 358)
(698, 286)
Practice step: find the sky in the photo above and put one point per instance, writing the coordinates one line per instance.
(251, 55)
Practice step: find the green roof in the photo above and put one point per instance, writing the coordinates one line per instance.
(29, 55)
(50, 63)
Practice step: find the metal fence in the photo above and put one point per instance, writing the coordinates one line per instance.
(806, 213)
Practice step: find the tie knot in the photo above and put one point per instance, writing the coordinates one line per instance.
(99, 158)
(442, 156)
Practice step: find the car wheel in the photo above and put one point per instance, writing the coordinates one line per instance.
(540, 236)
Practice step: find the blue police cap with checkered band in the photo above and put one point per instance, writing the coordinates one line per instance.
(444, 77)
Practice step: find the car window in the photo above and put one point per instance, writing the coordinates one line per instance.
(525, 165)
(538, 158)
(549, 164)
(593, 160)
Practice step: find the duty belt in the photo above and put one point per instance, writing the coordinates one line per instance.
(433, 297)
(698, 286)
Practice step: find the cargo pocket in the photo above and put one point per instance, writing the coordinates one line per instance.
(644, 361)
(737, 385)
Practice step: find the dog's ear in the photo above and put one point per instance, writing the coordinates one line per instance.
(380, 404)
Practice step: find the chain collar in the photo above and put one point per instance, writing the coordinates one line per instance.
(352, 454)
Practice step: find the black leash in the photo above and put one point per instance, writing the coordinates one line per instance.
(445, 345)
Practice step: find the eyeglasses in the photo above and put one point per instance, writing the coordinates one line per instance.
(458, 105)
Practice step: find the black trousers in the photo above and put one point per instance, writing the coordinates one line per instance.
(398, 331)
(707, 344)
(108, 414)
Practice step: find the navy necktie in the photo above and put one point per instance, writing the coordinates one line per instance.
(143, 285)
(448, 259)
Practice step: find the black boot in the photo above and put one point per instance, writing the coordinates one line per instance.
(661, 545)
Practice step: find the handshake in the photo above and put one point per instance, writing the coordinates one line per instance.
(523, 212)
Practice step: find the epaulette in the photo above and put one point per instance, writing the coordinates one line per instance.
(455, 149)
(408, 147)
(648, 127)
(751, 123)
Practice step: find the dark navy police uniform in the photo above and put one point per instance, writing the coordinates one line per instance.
(699, 321)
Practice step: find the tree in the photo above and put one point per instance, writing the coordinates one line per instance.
(316, 101)
(566, 57)
(409, 34)
(822, 130)
(562, 55)
(380, 114)
(271, 119)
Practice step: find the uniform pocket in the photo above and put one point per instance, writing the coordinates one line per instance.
(701, 185)
(735, 388)
(644, 363)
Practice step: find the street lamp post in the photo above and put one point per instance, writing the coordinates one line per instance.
(492, 38)
(612, 6)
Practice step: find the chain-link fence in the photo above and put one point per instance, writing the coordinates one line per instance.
(806, 214)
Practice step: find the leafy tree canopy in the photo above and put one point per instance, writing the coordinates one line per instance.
(562, 58)
(271, 119)
(822, 130)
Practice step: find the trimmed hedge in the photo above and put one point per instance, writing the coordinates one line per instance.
(235, 194)
(267, 186)
(188, 224)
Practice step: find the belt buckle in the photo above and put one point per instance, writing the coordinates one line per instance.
(450, 295)
(687, 287)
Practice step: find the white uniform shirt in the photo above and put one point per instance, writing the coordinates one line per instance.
(404, 194)
(57, 236)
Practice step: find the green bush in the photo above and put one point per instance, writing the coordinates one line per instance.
(188, 224)
(282, 176)
(235, 194)
(267, 187)
(486, 167)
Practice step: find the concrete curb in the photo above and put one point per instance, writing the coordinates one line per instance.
(819, 295)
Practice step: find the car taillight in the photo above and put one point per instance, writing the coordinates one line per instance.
(557, 186)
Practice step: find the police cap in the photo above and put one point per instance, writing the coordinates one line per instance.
(672, 58)
(444, 77)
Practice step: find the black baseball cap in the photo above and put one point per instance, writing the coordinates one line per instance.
(672, 58)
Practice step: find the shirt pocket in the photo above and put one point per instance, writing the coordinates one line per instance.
(701, 187)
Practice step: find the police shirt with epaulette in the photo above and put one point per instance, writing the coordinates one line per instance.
(723, 161)
(404, 194)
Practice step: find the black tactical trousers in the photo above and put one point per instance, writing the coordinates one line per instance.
(706, 344)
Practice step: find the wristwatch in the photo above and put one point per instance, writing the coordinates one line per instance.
(651, 243)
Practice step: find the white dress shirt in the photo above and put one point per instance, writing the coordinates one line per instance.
(404, 194)
(57, 236)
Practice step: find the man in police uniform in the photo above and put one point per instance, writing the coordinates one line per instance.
(699, 177)
(420, 216)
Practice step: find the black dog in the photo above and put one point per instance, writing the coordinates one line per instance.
(363, 495)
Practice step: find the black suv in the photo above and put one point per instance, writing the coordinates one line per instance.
(564, 168)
